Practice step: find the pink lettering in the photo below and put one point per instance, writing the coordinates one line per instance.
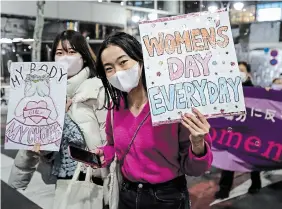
(173, 75)
(36, 112)
(191, 65)
(253, 141)
(278, 147)
(204, 62)
(231, 135)
(251, 145)
(213, 134)
(30, 135)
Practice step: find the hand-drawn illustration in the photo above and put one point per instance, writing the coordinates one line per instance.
(191, 62)
(36, 110)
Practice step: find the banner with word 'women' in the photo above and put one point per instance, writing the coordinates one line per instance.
(36, 106)
(190, 61)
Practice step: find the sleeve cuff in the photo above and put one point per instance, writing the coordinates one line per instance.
(108, 154)
(202, 156)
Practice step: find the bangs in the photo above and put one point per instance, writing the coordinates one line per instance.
(66, 39)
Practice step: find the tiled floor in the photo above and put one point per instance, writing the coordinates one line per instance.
(40, 195)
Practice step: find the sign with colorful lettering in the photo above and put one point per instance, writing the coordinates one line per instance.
(36, 106)
(251, 141)
(190, 61)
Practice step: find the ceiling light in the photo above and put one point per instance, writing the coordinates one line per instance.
(17, 39)
(5, 41)
(212, 8)
(152, 16)
(28, 40)
(135, 18)
(238, 5)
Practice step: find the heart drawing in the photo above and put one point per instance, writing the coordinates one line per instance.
(36, 111)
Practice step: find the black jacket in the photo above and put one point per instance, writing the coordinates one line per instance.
(248, 83)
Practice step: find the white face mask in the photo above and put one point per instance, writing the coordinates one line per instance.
(126, 80)
(73, 64)
(243, 76)
(277, 87)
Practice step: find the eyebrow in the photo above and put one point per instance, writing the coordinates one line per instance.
(116, 59)
(61, 49)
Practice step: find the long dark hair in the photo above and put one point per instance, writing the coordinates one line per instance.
(246, 65)
(133, 49)
(79, 44)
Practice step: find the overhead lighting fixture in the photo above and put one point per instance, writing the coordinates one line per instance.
(212, 8)
(5, 41)
(238, 5)
(135, 18)
(100, 1)
(269, 14)
(17, 39)
(152, 16)
(28, 40)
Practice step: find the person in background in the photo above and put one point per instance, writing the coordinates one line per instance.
(155, 163)
(245, 73)
(85, 116)
(277, 83)
(226, 179)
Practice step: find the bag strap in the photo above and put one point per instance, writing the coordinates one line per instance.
(134, 135)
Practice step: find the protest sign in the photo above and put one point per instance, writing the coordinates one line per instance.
(36, 106)
(252, 141)
(190, 61)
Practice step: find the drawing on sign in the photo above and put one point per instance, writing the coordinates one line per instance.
(33, 114)
(191, 63)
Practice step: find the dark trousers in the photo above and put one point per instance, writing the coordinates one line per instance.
(169, 195)
(226, 179)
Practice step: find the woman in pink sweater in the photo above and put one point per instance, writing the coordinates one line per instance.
(154, 159)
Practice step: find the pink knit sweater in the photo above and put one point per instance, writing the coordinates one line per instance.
(158, 154)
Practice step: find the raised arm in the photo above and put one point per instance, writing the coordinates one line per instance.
(195, 145)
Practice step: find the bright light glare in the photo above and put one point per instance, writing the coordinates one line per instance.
(100, 0)
(17, 39)
(238, 5)
(28, 40)
(269, 14)
(135, 18)
(152, 16)
(212, 8)
(5, 41)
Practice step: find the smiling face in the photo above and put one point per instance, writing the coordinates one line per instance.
(114, 59)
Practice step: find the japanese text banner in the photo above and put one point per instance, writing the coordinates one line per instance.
(252, 141)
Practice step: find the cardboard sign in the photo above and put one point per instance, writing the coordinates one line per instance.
(190, 61)
(36, 106)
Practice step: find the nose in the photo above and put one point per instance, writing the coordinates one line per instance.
(118, 68)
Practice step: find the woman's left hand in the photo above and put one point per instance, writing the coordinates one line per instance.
(199, 127)
(68, 104)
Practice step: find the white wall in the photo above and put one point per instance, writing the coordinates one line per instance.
(112, 14)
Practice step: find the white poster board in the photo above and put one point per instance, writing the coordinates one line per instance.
(190, 61)
(36, 107)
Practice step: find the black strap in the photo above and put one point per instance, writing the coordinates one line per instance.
(134, 135)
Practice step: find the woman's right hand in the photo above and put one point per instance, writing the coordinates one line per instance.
(100, 154)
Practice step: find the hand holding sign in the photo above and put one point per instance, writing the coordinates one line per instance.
(199, 127)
